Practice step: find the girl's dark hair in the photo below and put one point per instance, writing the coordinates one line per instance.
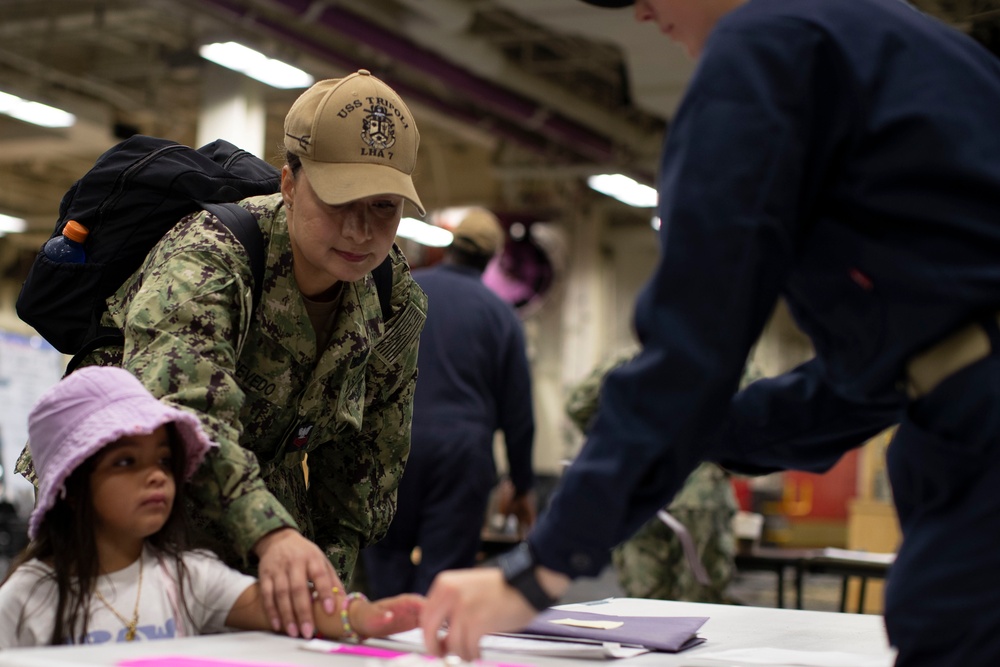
(65, 541)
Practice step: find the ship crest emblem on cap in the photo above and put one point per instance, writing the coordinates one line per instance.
(378, 130)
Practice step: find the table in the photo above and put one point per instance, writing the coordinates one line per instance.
(842, 562)
(847, 564)
(729, 627)
(777, 560)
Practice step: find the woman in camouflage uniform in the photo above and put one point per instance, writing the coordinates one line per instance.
(313, 372)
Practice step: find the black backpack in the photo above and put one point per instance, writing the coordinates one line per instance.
(129, 199)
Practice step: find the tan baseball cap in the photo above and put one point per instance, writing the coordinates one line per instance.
(479, 232)
(356, 138)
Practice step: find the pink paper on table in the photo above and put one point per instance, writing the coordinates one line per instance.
(366, 651)
(189, 661)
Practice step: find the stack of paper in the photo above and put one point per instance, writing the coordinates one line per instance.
(671, 634)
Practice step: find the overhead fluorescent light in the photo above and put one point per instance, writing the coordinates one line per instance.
(256, 65)
(423, 233)
(34, 112)
(11, 225)
(624, 189)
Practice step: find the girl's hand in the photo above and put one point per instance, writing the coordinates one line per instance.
(387, 616)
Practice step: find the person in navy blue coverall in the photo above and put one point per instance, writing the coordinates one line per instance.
(473, 379)
(843, 154)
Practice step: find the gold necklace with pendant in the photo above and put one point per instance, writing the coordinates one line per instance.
(130, 626)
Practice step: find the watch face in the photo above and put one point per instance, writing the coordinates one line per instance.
(516, 561)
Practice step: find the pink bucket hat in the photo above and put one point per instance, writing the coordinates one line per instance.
(85, 411)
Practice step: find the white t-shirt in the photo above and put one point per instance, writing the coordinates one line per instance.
(210, 590)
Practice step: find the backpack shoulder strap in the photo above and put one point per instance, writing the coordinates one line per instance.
(383, 285)
(243, 225)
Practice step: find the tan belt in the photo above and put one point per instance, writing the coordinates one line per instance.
(959, 350)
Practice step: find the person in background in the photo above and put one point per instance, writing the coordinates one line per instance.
(474, 380)
(315, 371)
(652, 563)
(108, 558)
(844, 155)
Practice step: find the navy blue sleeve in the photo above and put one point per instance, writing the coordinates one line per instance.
(795, 421)
(515, 409)
(734, 182)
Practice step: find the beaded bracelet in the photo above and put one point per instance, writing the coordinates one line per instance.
(350, 634)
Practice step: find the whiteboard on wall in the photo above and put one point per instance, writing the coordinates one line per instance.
(28, 366)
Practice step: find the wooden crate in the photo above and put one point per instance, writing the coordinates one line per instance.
(872, 524)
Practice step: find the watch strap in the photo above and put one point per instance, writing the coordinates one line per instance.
(518, 568)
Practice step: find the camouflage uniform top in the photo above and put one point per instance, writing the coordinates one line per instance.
(265, 394)
(707, 486)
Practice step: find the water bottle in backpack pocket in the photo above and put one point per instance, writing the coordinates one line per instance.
(67, 248)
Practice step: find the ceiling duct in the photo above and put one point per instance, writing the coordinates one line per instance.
(531, 121)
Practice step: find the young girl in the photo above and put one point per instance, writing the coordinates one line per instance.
(108, 559)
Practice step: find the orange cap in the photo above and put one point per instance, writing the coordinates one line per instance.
(74, 231)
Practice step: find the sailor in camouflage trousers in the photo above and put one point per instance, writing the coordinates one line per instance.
(651, 564)
(309, 395)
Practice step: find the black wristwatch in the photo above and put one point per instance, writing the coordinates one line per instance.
(518, 567)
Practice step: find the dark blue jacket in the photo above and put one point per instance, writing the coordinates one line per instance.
(844, 154)
(473, 369)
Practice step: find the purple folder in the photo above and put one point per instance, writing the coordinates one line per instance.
(671, 634)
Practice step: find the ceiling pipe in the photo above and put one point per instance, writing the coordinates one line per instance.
(485, 93)
(446, 16)
(494, 126)
(442, 27)
(530, 116)
(57, 79)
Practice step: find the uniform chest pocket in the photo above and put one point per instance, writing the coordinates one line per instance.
(325, 411)
(351, 402)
